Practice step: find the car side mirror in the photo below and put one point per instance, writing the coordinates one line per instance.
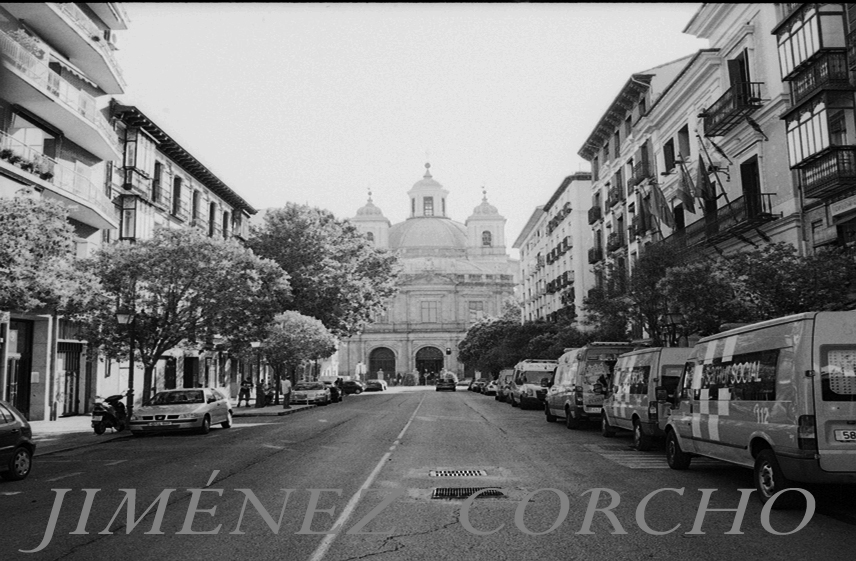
(545, 383)
(662, 394)
(212, 400)
(598, 388)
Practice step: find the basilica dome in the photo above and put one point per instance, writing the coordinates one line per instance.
(428, 232)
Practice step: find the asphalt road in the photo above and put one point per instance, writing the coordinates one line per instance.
(337, 465)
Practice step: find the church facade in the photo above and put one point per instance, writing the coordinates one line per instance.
(453, 274)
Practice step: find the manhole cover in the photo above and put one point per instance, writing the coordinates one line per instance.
(464, 492)
(457, 473)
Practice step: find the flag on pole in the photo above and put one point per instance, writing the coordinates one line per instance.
(719, 150)
(704, 188)
(686, 189)
(660, 206)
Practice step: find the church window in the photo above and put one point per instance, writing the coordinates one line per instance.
(487, 239)
(428, 206)
(429, 311)
(443, 201)
(413, 207)
(370, 236)
(476, 310)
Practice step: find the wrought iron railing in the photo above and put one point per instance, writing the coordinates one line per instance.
(833, 170)
(95, 34)
(732, 107)
(829, 71)
(615, 241)
(641, 171)
(594, 214)
(595, 255)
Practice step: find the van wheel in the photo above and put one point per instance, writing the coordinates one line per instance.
(769, 480)
(570, 422)
(675, 457)
(641, 441)
(550, 417)
(605, 428)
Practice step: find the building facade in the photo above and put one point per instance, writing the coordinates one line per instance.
(554, 269)
(57, 73)
(453, 274)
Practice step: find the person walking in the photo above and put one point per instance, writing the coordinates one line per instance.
(244, 392)
(285, 387)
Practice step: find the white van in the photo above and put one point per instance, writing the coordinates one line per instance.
(528, 385)
(577, 390)
(777, 396)
(503, 383)
(631, 400)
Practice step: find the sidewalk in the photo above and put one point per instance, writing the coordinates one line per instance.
(70, 433)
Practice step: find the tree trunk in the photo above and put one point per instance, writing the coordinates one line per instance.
(148, 384)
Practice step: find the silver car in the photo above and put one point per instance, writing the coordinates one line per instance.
(186, 409)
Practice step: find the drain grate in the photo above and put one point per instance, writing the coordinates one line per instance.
(464, 492)
(457, 473)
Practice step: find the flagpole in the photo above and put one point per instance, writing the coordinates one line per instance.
(716, 175)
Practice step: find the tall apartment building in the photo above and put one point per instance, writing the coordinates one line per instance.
(693, 153)
(554, 271)
(159, 184)
(56, 76)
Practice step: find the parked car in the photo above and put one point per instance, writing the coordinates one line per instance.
(186, 409)
(16, 444)
(503, 382)
(490, 388)
(777, 396)
(631, 400)
(311, 393)
(336, 393)
(477, 385)
(464, 383)
(375, 385)
(353, 386)
(576, 392)
(529, 383)
(446, 382)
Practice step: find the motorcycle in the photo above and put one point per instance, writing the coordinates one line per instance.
(109, 413)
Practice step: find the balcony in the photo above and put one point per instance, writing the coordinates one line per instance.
(595, 255)
(639, 225)
(851, 49)
(85, 200)
(831, 172)
(828, 72)
(594, 214)
(616, 195)
(74, 34)
(731, 109)
(738, 217)
(615, 241)
(641, 172)
(37, 88)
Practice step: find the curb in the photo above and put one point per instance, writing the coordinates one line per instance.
(275, 413)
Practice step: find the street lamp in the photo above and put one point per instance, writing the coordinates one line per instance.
(125, 317)
(257, 345)
(673, 321)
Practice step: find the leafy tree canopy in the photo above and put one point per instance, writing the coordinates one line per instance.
(185, 289)
(294, 338)
(37, 257)
(336, 274)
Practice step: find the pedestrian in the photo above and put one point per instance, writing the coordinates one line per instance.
(286, 393)
(244, 392)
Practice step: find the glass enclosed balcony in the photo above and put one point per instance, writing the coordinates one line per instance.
(831, 172)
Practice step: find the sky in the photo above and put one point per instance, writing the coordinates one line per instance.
(318, 103)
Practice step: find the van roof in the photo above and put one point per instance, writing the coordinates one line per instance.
(760, 325)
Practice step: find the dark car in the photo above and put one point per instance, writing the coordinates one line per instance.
(16, 444)
(446, 383)
(353, 386)
(478, 385)
(336, 393)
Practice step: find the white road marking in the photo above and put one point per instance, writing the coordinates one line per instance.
(114, 462)
(273, 446)
(322, 420)
(328, 540)
(10, 493)
(642, 460)
(66, 475)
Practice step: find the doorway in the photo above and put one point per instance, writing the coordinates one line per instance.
(429, 360)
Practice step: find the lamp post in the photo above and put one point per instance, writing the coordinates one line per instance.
(673, 321)
(257, 345)
(125, 317)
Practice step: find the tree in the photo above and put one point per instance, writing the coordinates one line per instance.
(294, 338)
(336, 274)
(185, 289)
(37, 267)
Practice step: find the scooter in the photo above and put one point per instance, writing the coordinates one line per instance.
(109, 413)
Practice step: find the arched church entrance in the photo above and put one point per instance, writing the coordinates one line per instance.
(429, 360)
(381, 359)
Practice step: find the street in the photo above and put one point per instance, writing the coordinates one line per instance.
(389, 443)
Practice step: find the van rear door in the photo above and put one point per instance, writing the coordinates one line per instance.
(834, 360)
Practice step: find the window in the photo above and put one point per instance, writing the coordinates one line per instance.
(684, 143)
(226, 223)
(633, 380)
(616, 143)
(428, 206)
(429, 311)
(837, 373)
(194, 208)
(807, 132)
(443, 202)
(413, 207)
(487, 239)
(212, 219)
(176, 196)
(595, 168)
(139, 151)
(803, 39)
(476, 310)
(28, 134)
(746, 377)
(628, 125)
(157, 182)
(370, 236)
(669, 155)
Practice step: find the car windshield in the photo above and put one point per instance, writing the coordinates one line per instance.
(536, 376)
(180, 397)
(309, 386)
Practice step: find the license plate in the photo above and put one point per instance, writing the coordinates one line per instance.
(96, 419)
(593, 409)
(159, 423)
(845, 435)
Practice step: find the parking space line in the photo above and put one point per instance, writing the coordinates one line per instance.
(65, 476)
